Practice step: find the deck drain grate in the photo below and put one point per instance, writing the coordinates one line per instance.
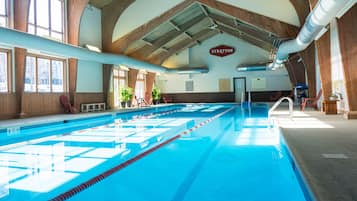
(335, 156)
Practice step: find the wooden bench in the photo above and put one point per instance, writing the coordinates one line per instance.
(92, 107)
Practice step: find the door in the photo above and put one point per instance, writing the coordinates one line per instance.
(239, 89)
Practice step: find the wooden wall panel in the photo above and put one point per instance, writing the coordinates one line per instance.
(264, 96)
(200, 97)
(36, 104)
(324, 54)
(216, 97)
(88, 98)
(347, 30)
(8, 105)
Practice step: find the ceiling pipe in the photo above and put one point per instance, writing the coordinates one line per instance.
(47, 46)
(188, 70)
(319, 17)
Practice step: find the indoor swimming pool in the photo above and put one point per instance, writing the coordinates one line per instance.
(206, 152)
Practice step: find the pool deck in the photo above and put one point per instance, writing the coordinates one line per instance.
(324, 146)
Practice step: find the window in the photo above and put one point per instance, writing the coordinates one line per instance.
(46, 18)
(140, 85)
(4, 13)
(44, 74)
(119, 82)
(5, 70)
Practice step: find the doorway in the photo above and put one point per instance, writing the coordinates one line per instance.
(239, 84)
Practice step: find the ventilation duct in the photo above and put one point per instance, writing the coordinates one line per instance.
(47, 46)
(263, 66)
(320, 16)
(188, 70)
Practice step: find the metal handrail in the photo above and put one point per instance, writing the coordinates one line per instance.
(277, 103)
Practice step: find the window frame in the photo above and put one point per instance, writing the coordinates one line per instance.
(50, 58)
(116, 80)
(8, 52)
(49, 29)
(7, 13)
(119, 77)
(143, 79)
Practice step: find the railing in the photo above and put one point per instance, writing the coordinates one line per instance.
(277, 103)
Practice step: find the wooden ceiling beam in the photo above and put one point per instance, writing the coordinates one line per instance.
(188, 35)
(147, 42)
(174, 25)
(110, 15)
(276, 27)
(232, 23)
(302, 8)
(147, 50)
(121, 44)
(247, 38)
(200, 36)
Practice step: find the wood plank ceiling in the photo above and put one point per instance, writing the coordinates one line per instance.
(196, 23)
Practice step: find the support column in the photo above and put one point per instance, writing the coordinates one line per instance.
(347, 31)
(21, 9)
(107, 82)
(324, 55)
(150, 79)
(75, 10)
(132, 77)
(308, 56)
(296, 70)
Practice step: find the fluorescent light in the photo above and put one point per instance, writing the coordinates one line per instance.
(123, 68)
(92, 48)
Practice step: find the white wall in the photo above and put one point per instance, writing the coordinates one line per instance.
(139, 13)
(178, 60)
(89, 77)
(90, 74)
(281, 10)
(91, 27)
(224, 68)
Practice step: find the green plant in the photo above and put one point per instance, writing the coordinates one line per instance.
(124, 94)
(130, 94)
(156, 93)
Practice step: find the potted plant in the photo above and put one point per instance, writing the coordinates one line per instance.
(130, 96)
(156, 95)
(123, 96)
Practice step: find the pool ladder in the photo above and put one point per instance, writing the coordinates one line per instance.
(277, 103)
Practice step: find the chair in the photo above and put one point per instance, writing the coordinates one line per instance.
(166, 99)
(311, 101)
(68, 108)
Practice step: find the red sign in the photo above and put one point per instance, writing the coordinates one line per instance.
(222, 50)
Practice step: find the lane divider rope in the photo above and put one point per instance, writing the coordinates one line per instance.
(100, 177)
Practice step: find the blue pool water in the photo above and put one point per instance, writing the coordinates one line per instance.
(230, 153)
